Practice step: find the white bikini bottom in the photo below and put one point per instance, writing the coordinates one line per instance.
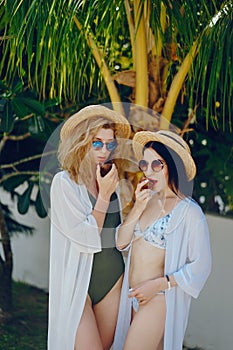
(135, 302)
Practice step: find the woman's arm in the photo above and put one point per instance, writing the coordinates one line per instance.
(147, 290)
(71, 214)
(126, 230)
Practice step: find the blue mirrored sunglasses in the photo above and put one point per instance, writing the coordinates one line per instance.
(98, 145)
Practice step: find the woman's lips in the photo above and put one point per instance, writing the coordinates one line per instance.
(153, 182)
(101, 160)
(150, 184)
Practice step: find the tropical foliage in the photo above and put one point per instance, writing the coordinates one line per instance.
(159, 49)
(24, 123)
(23, 134)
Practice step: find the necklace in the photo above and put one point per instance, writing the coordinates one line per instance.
(162, 203)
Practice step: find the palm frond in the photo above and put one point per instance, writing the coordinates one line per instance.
(214, 68)
(13, 226)
(41, 43)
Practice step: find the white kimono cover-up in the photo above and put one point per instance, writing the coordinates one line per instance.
(73, 241)
(188, 257)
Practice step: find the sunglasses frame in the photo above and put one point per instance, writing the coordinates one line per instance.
(159, 167)
(107, 144)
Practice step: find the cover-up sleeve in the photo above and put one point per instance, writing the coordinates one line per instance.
(71, 214)
(192, 276)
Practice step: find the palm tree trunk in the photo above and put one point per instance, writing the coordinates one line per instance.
(141, 97)
(6, 266)
(131, 30)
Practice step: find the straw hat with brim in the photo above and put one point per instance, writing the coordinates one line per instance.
(123, 129)
(170, 139)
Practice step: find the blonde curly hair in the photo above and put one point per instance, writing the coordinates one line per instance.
(73, 150)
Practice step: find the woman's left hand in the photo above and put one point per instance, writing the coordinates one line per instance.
(144, 292)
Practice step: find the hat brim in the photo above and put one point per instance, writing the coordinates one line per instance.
(169, 139)
(122, 125)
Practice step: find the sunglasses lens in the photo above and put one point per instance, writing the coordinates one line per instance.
(111, 146)
(156, 165)
(143, 165)
(97, 145)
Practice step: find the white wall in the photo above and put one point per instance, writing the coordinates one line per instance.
(30, 253)
(211, 318)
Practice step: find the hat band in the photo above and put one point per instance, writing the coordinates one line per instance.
(172, 138)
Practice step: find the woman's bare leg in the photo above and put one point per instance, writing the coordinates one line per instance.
(87, 336)
(147, 328)
(106, 312)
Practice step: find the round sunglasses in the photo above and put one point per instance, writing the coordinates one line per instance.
(98, 145)
(157, 165)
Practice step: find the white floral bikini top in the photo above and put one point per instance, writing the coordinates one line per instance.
(155, 234)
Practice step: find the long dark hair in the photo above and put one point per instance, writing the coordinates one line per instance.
(177, 179)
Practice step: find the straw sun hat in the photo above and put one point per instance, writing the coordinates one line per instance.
(170, 139)
(123, 129)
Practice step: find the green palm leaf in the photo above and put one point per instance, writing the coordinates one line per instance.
(42, 44)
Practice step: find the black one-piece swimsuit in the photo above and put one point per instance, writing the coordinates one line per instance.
(108, 265)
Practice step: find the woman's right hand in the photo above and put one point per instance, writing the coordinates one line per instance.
(108, 183)
(142, 196)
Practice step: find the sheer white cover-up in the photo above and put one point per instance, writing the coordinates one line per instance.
(188, 257)
(74, 238)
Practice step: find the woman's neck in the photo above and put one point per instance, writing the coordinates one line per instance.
(165, 201)
(165, 194)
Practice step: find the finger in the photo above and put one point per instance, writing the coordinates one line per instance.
(141, 184)
(138, 195)
(135, 293)
(140, 296)
(114, 180)
(132, 294)
(98, 171)
(145, 194)
(113, 172)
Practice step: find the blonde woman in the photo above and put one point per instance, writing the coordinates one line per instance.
(86, 269)
(169, 256)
